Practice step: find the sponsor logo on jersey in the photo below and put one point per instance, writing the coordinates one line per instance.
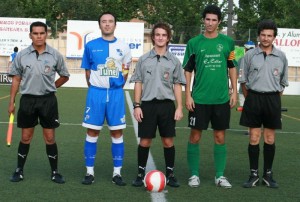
(109, 68)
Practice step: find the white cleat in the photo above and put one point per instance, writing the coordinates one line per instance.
(222, 182)
(194, 181)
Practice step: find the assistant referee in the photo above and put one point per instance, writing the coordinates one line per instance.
(34, 70)
(263, 76)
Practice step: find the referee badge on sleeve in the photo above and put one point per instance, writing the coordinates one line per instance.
(241, 73)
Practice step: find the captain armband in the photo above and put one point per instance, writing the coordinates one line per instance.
(125, 69)
(124, 72)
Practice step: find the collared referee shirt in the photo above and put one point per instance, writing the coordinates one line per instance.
(158, 74)
(38, 70)
(264, 73)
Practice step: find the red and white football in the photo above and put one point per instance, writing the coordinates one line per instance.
(155, 181)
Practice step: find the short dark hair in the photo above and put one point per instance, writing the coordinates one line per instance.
(212, 9)
(164, 26)
(107, 13)
(38, 24)
(267, 24)
(16, 49)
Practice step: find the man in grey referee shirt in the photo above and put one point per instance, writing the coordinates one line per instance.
(263, 76)
(33, 71)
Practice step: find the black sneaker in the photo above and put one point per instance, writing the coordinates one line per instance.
(253, 181)
(138, 182)
(57, 178)
(17, 175)
(269, 181)
(172, 181)
(88, 179)
(117, 179)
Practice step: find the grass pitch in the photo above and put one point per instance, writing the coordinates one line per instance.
(70, 136)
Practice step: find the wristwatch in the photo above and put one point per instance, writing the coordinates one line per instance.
(136, 105)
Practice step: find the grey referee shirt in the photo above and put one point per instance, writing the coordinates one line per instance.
(158, 74)
(38, 71)
(264, 73)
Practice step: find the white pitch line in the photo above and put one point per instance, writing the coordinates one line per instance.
(155, 196)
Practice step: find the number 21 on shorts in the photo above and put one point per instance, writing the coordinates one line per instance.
(192, 121)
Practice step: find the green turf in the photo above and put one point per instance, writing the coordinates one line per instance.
(70, 139)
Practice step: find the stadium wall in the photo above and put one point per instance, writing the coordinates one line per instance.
(77, 78)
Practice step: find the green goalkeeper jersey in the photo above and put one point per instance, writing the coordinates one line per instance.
(210, 59)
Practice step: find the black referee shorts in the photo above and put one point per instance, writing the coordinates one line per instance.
(157, 113)
(262, 109)
(34, 109)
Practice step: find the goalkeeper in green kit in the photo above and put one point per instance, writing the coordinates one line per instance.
(210, 57)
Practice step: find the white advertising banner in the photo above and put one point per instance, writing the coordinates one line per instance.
(288, 40)
(178, 50)
(81, 32)
(14, 32)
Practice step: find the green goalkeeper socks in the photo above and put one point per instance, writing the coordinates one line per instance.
(220, 154)
(193, 158)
